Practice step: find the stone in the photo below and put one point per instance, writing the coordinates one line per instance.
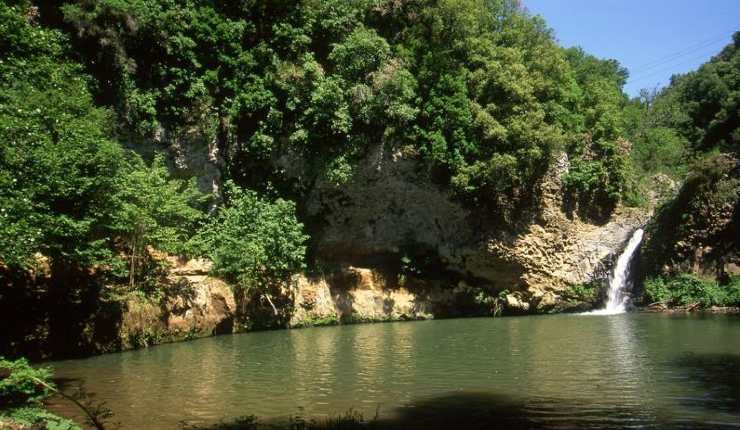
(516, 304)
(194, 305)
(390, 204)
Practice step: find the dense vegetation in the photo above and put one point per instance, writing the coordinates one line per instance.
(689, 290)
(697, 113)
(478, 90)
(295, 92)
(70, 192)
(690, 130)
(71, 195)
(291, 93)
(22, 392)
(94, 94)
(254, 243)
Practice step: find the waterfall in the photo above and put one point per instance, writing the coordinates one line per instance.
(617, 297)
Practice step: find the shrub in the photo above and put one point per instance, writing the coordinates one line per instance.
(686, 289)
(253, 241)
(656, 290)
(24, 388)
(21, 384)
(582, 292)
(153, 209)
(33, 417)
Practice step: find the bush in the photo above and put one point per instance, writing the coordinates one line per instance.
(686, 289)
(22, 391)
(252, 241)
(32, 417)
(582, 292)
(21, 384)
(153, 209)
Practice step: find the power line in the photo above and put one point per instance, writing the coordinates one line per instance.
(666, 60)
(659, 66)
(644, 76)
(669, 65)
(639, 71)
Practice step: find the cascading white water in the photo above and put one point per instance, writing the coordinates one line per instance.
(617, 296)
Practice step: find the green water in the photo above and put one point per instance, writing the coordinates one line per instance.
(631, 370)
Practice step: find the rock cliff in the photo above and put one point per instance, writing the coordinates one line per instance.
(390, 208)
(697, 231)
(398, 247)
(194, 305)
(365, 295)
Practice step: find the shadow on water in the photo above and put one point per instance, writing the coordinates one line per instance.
(75, 402)
(717, 375)
(480, 411)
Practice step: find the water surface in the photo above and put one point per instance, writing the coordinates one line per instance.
(617, 371)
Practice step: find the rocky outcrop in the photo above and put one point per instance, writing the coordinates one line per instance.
(365, 295)
(197, 305)
(56, 320)
(194, 305)
(697, 231)
(390, 208)
(559, 250)
(194, 151)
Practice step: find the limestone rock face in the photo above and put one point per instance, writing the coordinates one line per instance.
(559, 253)
(364, 295)
(698, 230)
(391, 205)
(387, 205)
(194, 152)
(194, 305)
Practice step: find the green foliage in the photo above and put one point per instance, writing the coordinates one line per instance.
(327, 320)
(660, 150)
(68, 191)
(33, 417)
(170, 40)
(253, 241)
(702, 216)
(686, 289)
(710, 97)
(22, 392)
(363, 51)
(57, 163)
(582, 292)
(153, 210)
(697, 113)
(479, 89)
(22, 387)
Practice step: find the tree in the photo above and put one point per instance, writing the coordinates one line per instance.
(68, 190)
(253, 242)
(153, 210)
(58, 163)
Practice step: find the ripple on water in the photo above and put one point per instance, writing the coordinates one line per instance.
(629, 370)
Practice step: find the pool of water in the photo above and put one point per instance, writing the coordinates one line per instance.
(564, 371)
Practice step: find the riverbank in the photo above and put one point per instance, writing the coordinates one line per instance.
(190, 303)
(692, 309)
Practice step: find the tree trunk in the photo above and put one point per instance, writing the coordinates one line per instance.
(274, 309)
(132, 271)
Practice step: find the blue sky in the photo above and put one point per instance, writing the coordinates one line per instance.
(653, 39)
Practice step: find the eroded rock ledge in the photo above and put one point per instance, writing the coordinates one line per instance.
(390, 206)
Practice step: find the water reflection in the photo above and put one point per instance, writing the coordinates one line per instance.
(475, 410)
(598, 371)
